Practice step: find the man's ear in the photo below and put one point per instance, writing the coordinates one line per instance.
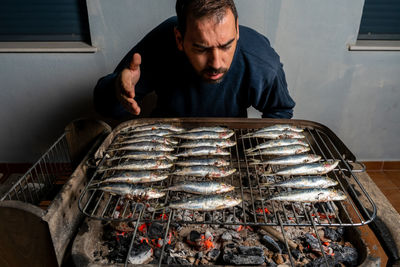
(178, 39)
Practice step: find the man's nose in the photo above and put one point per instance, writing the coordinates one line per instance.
(215, 59)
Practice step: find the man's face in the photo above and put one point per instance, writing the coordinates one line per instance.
(210, 45)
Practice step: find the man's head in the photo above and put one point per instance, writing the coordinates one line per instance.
(207, 33)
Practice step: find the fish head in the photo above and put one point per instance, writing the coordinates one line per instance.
(338, 195)
(233, 201)
(154, 193)
(315, 157)
(220, 163)
(225, 188)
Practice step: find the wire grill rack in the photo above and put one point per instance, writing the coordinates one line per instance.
(39, 180)
(254, 210)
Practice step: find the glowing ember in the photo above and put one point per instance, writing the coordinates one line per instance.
(260, 210)
(240, 228)
(163, 217)
(143, 228)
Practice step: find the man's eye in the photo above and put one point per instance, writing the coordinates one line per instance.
(200, 50)
(225, 48)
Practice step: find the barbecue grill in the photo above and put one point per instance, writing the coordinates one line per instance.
(61, 218)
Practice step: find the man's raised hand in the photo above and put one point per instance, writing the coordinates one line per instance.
(126, 82)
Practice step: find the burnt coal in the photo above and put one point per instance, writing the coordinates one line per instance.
(213, 254)
(270, 263)
(332, 234)
(155, 230)
(182, 261)
(312, 241)
(251, 251)
(237, 259)
(296, 254)
(194, 235)
(271, 244)
(170, 260)
(226, 236)
(140, 254)
(321, 262)
(346, 255)
(244, 256)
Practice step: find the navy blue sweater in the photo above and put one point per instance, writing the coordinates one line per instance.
(255, 78)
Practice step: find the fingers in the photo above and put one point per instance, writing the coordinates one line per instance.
(125, 92)
(128, 79)
(136, 61)
(130, 105)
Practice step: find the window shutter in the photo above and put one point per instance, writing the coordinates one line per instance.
(380, 20)
(44, 20)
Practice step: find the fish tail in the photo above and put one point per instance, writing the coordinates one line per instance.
(255, 161)
(158, 206)
(248, 135)
(95, 185)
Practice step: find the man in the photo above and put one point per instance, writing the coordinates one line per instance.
(198, 67)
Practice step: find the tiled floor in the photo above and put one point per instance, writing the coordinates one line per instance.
(388, 182)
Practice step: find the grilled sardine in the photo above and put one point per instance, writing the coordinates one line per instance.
(206, 203)
(310, 195)
(281, 150)
(307, 182)
(202, 188)
(308, 168)
(130, 191)
(204, 171)
(203, 151)
(289, 160)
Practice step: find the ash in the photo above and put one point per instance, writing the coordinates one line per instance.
(230, 242)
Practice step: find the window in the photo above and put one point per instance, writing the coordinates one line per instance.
(379, 27)
(44, 21)
(380, 20)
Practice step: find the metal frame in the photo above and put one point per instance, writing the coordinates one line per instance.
(101, 206)
(39, 179)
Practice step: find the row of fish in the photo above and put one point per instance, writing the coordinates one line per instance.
(145, 154)
(287, 148)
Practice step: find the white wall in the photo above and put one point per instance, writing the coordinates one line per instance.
(355, 94)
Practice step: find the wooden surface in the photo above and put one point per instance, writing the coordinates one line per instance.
(21, 224)
(385, 211)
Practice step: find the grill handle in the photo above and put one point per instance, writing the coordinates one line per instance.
(355, 163)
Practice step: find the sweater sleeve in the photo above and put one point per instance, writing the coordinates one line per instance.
(271, 95)
(279, 104)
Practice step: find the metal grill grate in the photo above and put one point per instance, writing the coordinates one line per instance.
(39, 180)
(254, 210)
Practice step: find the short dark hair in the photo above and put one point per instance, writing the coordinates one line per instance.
(202, 8)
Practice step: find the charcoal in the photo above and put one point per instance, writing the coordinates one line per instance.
(296, 254)
(213, 254)
(321, 262)
(157, 252)
(340, 231)
(194, 235)
(250, 251)
(271, 244)
(346, 255)
(270, 263)
(312, 241)
(332, 234)
(199, 255)
(140, 254)
(208, 217)
(169, 260)
(230, 245)
(155, 230)
(226, 236)
(230, 258)
(182, 261)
